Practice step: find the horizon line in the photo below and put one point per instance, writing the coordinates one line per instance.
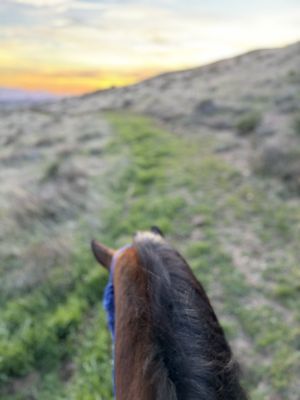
(131, 81)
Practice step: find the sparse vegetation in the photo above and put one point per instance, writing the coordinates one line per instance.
(294, 76)
(280, 162)
(248, 123)
(109, 175)
(297, 125)
(52, 170)
(61, 321)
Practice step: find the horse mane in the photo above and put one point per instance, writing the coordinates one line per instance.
(190, 358)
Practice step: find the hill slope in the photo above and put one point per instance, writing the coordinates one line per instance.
(262, 78)
(70, 172)
(255, 95)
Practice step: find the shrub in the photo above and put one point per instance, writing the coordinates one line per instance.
(52, 170)
(297, 125)
(279, 162)
(248, 123)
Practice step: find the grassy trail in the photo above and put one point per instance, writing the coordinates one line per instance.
(238, 235)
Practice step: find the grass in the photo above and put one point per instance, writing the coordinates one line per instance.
(160, 179)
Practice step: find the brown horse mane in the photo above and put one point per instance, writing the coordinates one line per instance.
(188, 357)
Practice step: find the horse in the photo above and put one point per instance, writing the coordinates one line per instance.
(168, 342)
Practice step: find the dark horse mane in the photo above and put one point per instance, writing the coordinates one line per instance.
(190, 353)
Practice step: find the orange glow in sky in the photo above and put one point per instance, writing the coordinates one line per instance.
(71, 82)
(77, 46)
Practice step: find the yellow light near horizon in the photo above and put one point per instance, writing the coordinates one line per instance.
(68, 84)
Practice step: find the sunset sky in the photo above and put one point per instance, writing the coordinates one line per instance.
(76, 46)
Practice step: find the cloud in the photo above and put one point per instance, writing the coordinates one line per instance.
(134, 36)
(41, 3)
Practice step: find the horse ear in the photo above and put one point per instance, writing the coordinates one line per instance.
(157, 231)
(102, 253)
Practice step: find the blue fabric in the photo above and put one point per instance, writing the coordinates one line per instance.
(109, 302)
(109, 305)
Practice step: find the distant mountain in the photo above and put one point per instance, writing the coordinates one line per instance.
(10, 97)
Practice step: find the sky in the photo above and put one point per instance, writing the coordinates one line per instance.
(77, 46)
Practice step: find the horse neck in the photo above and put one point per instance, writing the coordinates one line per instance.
(145, 365)
(133, 332)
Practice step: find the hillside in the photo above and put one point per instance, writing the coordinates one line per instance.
(211, 155)
(255, 95)
(262, 78)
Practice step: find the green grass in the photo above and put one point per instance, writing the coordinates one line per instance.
(160, 179)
